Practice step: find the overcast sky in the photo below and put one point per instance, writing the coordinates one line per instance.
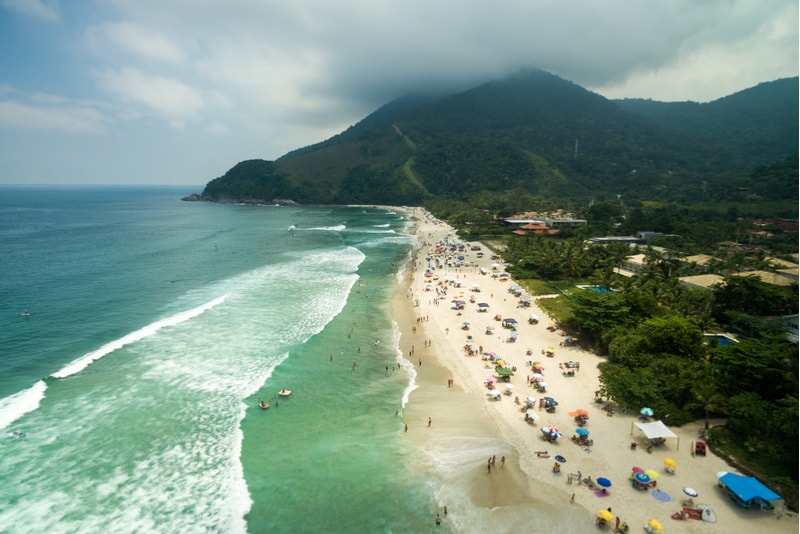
(178, 91)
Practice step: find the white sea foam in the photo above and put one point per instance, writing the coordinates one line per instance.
(407, 366)
(84, 361)
(15, 406)
(381, 225)
(336, 228)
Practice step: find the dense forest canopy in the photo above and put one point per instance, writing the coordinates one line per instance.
(544, 137)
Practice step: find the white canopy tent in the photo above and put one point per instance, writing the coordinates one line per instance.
(655, 430)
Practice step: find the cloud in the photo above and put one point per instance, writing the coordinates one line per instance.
(142, 42)
(168, 97)
(19, 116)
(41, 9)
(257, 78)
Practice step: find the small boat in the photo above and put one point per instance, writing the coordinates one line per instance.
(285, 392)
(263, 405)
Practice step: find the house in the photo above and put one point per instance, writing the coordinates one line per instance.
(777, 279)
(702, 281)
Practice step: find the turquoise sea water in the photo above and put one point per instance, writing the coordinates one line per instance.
(153, 328)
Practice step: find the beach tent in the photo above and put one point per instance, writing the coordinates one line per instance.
(747, 491)
(656, 430)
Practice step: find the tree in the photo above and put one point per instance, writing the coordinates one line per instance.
(706, 398)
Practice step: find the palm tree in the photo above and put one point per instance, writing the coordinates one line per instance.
(707, 398)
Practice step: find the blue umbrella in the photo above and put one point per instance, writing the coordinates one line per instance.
(581, 431)
(603, 482)
(647, 412)
(641, 477)
(561, 459)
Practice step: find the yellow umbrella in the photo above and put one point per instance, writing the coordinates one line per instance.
(605, 515)
(655, 525)
(669, 462)
(652, 474)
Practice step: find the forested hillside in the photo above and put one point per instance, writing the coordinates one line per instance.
(541, 135)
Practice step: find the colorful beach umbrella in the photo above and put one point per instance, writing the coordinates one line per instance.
(605, 515)
(637, 470)
(647, 412)
(579, 412)
(655, 525)
(602, 481)
(652, 474)
(581, 431)
(641, 477)
(669, 462)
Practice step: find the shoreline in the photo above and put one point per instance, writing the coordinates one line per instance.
(525, 487)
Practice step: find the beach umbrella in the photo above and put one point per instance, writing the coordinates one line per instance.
(669, 462)
(655, 525)
(551, 401)
(532, 414)
(638, 470)
(544, 385)
(491, 380)
(581, 431)
(561, 459)
(551, 350)
(483, 304)
(652, 474)
(602, 481)
(494, 394)
(641, 477)
(647, 412)
(509, 387)
(579, 412)
(605, 515)
(537, 375)
(690, 492)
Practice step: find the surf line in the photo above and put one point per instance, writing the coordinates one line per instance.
(84, 361)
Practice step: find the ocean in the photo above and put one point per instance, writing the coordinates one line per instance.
(138, 334)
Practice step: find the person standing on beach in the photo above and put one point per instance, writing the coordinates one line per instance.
(429, 421)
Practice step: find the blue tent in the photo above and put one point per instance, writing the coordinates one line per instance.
(747, 491)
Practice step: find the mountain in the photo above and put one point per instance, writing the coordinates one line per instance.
(533, 132)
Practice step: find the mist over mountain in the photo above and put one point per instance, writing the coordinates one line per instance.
(537, 133)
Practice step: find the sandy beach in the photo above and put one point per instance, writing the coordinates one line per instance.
(456, 427)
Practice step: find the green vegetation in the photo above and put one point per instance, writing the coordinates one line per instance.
(544, 138)
(699, 174)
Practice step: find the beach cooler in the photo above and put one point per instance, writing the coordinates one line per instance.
(700, 448)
